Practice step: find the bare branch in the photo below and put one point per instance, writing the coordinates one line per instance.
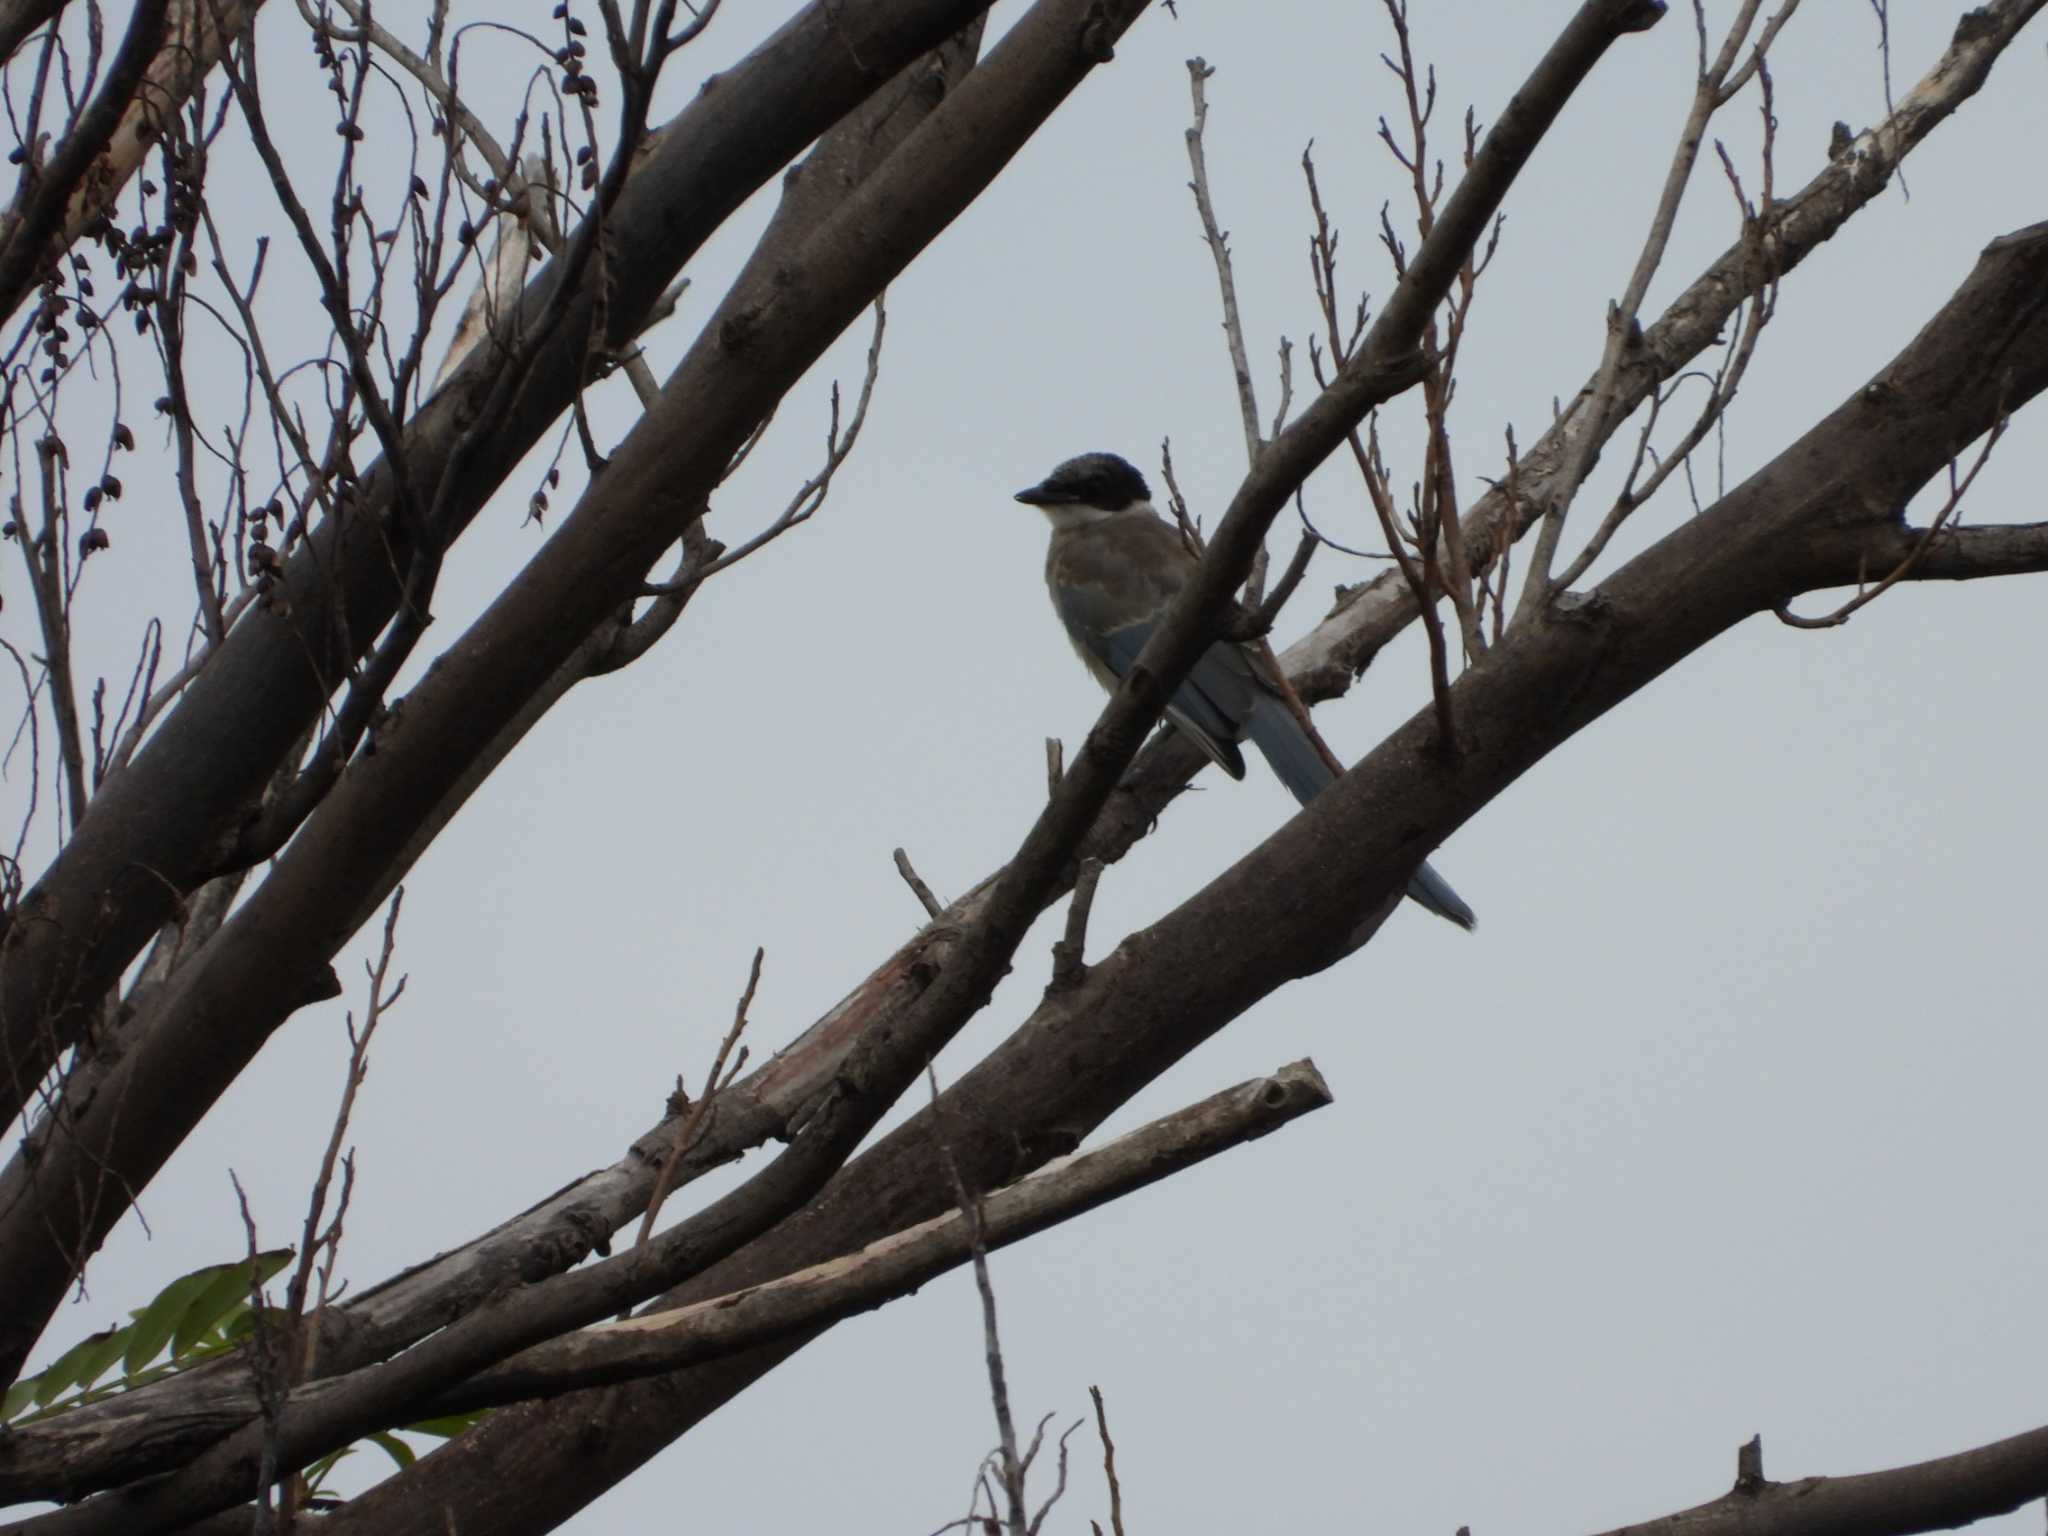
(810, 496)
(1068, 954)
(933, 907)
(1009, 1465)
(1325, 661)
(1116, 1492)
(898, 1264)
(1927, 1496)
(1199, 71)
(1922, 542)
(1623, 330)
(38, 217)
(693, 1115)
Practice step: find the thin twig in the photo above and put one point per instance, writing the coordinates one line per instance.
(1177, 504)
(1060, 1481)
(266, 1370)
(45, 554)
(1068, 953)
(923, 893)
(312, 1239)
(810, 496)
(1011, 1466)
(1904, 569)
(693, 1119)
(1290, 579)
(1116, 1492)
(1623, 328)
(1218, 242)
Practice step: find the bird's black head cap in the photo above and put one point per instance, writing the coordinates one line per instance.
(1091, 480)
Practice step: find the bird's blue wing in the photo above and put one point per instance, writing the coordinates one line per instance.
(1296, 763)
(1209, 705)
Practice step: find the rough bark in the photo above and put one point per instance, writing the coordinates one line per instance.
(1295, 902)
(1935, 1495)
(159, 827)
(163, 825)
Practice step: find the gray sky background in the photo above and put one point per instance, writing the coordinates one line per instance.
(1727, 1119)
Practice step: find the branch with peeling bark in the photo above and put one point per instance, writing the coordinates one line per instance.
(721, 147)
(1151, 1000)
(1368, 616)
(1006, 911)
(357, 577)
(1381, 368)
(2014, 546)
(1932, 1495)
(797, 1304)
(609, 1200)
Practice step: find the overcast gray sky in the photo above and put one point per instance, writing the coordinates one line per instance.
(1726, 1121)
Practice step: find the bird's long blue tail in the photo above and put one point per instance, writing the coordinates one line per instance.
(1297, 764)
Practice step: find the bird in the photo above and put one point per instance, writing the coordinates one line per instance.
(1113, 568)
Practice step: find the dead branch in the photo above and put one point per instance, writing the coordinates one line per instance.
(1325, 661)
(895, 1265)
(933, 907)
(693, 1115)
(1623, 329)
(1068, 953)
(1927, 1496)
(1116, 1492)
(1923, 541)
(1010, 1467)
(1199, 71)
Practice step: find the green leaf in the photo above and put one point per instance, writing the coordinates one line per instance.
(158, 1321)
(401, 1454)
(316, 1474)
(228, 1289)
(76, 1367)
(19, 1396)
(113, 1342)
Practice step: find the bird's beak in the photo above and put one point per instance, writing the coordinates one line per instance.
(1039, 496)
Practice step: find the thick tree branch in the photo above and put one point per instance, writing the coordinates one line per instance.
(1325, 661)
(902, 982)
(158, 828)
(19, 18)
(1933, 1495)
(1384, 364)
(1968, 553)
(232, 995)
(896, 1265)
(566, 1224)
(26, 237)
(1293, 904)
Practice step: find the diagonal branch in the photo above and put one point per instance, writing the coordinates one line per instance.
(343, 858)
(1932, 1495)
(156, 827)
(1325, 661)
(28, 234)
(896, 1265)
(1292, 904)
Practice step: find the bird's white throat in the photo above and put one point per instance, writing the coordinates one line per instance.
(1066, 516)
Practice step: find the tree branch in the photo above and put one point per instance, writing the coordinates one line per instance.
(212, 753)
(1325, 661)
(26, 239)
(1928, 1496)
(1292, 904)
